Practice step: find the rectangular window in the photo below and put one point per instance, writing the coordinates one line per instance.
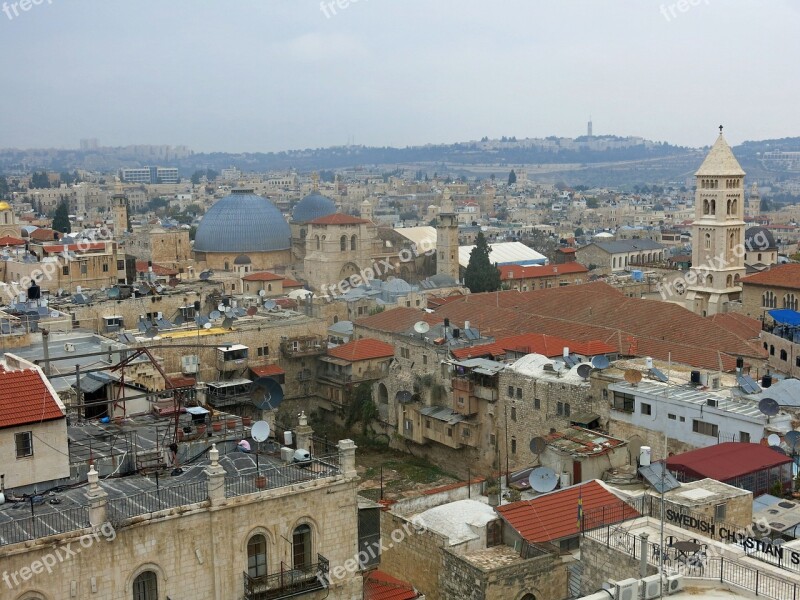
(704, 428)
(65, 270)
(513, 413)
(466, 432)
(513, 445)
(492, 440)
(120, 265)
(449, 432)
(537, 403)
(511, 391)
(624, 402)
(404, 353)
(424, 359)
(84, 268)
(560, 409)
(427, 423)
(646, 409)
(720, 512)
(567, 409)
(24, 444)
(671, 417)
(519, 393)
(744, 437)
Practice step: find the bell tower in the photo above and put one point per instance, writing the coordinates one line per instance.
(717, 233)
(447, 241)
(119, 204)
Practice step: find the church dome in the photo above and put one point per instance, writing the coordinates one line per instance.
(312, 207)
(242, 259)
(243, 222)
(759, 239)
(5, 205)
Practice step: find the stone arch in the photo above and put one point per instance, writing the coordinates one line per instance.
(713, 207)
(706, 207)
(347, 270)
(383, 394)
(32, 595)
(354, 242)
(161, 577)
(316, 240)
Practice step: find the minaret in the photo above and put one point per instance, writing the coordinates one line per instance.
(753, 208)
(447, 241)
(119, 204)
(589, 128)
(366, 210)
(717, 233)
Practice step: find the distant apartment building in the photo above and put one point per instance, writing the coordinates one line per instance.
(150, 175)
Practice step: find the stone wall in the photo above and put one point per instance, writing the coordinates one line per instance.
(601, 564)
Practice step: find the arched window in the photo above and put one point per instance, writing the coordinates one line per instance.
(257, 556)
(731, 240)
(729, 281)
(705, 206)
(728, 208)
(303, 234)
(708, 241)
(353, 242)
(343, 243)
(269, 287)
(784, 356)
(710, 280)
(316, 239)
(301, 547)
(145, 586)
(614, 263)
(713, 207)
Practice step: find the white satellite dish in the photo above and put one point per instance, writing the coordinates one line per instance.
(206, 325)
(221, 308)
(543, 480)
(774, 439)
(262, 293)
(260, 431)
(558, 366)
(421, 327)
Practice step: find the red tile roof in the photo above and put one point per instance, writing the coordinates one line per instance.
(262, 276)
(726, 461)
(181, 382)
(382, 586)
(43, 235)
(784, 276)
(54, 248)
(554, 516)
(596, 311)
(567, 250)
(338, 219)
(517, 272)
(25, 398)
(286, 303)
(268, 371)
(538, 343)
(397, 320)
(363, 349)
(7, 240)
(142, 267)
(745, 327)
(291, 283)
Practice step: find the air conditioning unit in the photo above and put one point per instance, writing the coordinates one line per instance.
(651, 587)
(627, 589)
(674, 584)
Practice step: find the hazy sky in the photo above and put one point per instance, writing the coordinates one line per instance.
(260, 75)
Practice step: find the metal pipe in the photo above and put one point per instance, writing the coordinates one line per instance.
(46, 351)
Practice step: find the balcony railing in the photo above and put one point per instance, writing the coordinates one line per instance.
(288, 582)
(304, 346)
(154, 500)
(344, 377)
(271, 477)
(41, 525)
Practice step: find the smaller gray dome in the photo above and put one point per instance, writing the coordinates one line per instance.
(242, 259)
(397, 286)
(759, 239)
(442, 280)
(313, 206)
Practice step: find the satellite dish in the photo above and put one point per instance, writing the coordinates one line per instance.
(558, 366)
(179, 320)
(206, 325)
(538, 445)
(251, 312)
(633, 376)
(221, 308)
(215, 314)
(205, 275)
(774, 439)
(777, 449)
(112, 293)
(543, 479)
(173, 282)
(229, 311)
(584, 370)
(262, 293)
(260, 431)
(769, 407)
(266, 393)
(270, 304)
(421, 327)
(160, 289)
(151, 332)
(227, 323)
(792, 439)
(600, 362)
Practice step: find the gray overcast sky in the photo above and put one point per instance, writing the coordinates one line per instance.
(261, 75)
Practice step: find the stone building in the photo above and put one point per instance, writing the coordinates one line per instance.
(243, 224)
(8, 221)
(777, 287)
(717, 233)
(619, 256)
(447, 258)
(545, 276)
(361, 361)
(168, 247)
(311, 207)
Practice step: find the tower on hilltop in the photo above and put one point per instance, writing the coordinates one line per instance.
(717, 233)
(447, 241)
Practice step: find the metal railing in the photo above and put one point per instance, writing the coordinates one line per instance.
(288, 582)
(271, 477)
(162, 498)
(42, 525)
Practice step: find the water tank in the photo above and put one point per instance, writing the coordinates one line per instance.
(739, 363)
(637, 275)
(696, 377)
(766, 381)
(565, 479)
(648, 362)
(644, 456)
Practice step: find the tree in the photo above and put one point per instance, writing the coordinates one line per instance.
(61, 219)
(592, 203)
(579, 232)
(40, 180)
(481, 275)
(3, 186)
(512, 177)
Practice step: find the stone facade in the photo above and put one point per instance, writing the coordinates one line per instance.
(600, 564)
(49, 459)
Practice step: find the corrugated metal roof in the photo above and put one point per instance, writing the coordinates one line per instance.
(505, 253)
(727, 461)
(446, 415)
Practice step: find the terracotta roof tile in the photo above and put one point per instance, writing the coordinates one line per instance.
(43, 234)
(55, 248)
(268, 370)
(8, 240)
(397, 320)
(517, 272)
(291, 283)
(382, 586)
(262, 276)
(363, 349)
(745, 327)
(784, 276)
(26, 398)
(554, 516)
(538, 343)
(338, 219)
